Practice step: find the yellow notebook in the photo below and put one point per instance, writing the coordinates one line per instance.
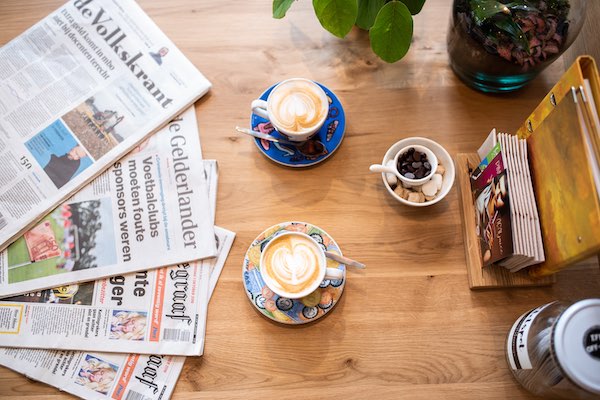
(564, 150)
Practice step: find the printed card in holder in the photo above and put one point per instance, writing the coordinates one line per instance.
(490, 194)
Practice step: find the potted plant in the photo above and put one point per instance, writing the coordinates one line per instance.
(498, 46)
(389, 22)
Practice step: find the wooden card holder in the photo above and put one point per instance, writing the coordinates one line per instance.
(493, 276)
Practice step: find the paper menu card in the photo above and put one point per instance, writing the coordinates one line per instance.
(494, 220)
(507, 221)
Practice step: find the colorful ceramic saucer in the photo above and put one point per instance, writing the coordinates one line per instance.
(313, 151)
(280, 309)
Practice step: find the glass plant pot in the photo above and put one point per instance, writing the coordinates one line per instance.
(499, 46)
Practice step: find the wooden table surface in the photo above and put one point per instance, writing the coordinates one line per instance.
(408, 327)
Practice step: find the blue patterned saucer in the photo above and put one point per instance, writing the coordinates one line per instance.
(284, 310)
(313, 151)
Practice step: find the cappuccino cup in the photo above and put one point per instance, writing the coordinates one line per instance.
(293, 265)
(296, 107)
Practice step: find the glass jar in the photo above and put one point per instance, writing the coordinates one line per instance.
(554, 350)
(499, 46)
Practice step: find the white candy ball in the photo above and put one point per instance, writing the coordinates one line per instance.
(437, 178)
(429, 188)
(391, 178)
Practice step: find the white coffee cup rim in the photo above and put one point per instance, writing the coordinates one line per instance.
(318, 125)
(314, 285)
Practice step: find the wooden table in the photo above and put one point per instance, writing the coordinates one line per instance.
(408, 326)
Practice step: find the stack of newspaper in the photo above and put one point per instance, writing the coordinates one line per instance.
(107, 265)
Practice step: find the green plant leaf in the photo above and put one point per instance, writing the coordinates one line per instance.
(337, 16)
(280, 7)
(483, 9)
(521, 5)
(414, 6)
(514, 30)
(367, 11)
(392, 32)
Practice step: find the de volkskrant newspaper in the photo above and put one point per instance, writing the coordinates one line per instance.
(147, 210)
(78, 90)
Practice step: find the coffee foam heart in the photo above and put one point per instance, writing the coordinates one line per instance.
(292, 263)
(297, 106)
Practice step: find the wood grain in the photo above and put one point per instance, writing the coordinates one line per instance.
(587, 42)
(408, 327)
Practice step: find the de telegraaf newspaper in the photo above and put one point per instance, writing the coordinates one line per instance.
(109, 375)
(78, 90)
(150, 209)
(160, 311)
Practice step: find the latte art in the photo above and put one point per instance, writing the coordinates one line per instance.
(298, 106)
(291, 263)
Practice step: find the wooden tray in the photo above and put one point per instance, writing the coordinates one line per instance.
(494, 276)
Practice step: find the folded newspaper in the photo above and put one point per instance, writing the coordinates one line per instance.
(110, 375)
(152, 312)
(79, 90)
(114, 375)
(148, 210)
(138, 312)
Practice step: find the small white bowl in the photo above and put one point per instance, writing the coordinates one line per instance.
(431, 157)
(443, 158)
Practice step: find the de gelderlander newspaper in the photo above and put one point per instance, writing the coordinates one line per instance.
(148, 210)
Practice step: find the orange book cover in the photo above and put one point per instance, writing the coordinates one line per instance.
(561, 169)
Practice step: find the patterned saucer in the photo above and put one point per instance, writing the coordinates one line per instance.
(313, 151)
(284, 310)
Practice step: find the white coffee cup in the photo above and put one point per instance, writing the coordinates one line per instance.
(296, 107)
(293, 265)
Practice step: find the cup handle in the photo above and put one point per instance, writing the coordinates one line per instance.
(259, 107)
(334, 274)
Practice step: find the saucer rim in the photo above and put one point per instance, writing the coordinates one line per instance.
(294, 165)
(244, 269)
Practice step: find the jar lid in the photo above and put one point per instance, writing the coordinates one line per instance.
(577, 344)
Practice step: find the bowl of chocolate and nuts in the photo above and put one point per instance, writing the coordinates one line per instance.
(418, 171)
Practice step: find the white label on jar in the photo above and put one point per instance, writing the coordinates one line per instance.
(516, 347)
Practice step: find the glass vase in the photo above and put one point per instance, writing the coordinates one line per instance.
(500, 46)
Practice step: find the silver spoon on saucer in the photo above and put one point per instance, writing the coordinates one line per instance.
(345, 260)
(265, 136)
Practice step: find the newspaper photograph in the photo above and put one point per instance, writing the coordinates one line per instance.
(109, 375)
(148, 210)
(78, 90)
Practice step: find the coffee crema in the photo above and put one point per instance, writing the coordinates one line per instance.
(292, 263)
(298, 106)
